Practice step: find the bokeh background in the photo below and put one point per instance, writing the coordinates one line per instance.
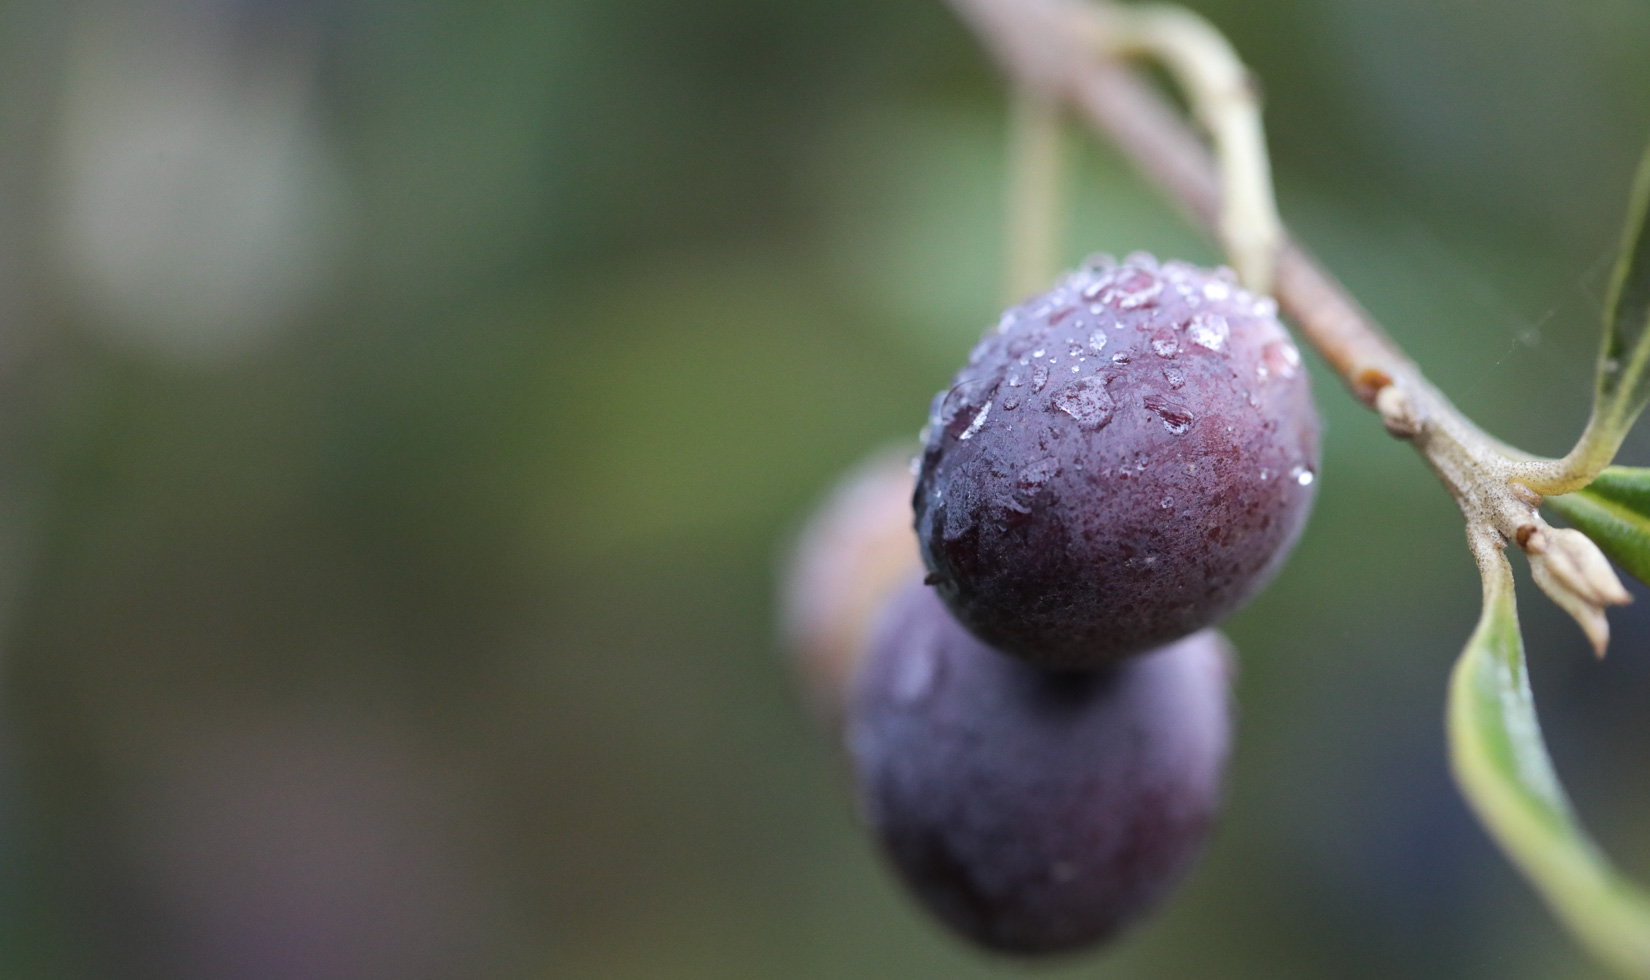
(404, 406)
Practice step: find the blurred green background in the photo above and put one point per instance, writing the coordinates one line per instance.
(405, 406)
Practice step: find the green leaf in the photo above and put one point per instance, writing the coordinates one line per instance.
(1614, 510)
(1624, 359)
(1503, 769)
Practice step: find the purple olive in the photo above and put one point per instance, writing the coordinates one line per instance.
(1035, 811)
(1124, 460)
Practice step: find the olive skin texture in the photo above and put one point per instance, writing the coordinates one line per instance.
(1124, 460)
(1034, 811)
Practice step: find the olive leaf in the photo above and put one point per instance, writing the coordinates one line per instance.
(1623, 386)
(1501, 764)
(1614, 510)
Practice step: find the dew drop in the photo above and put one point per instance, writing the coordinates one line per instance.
(1177, 418)
(1121, 357)
(1131, 289)
(1087, 401)
(1165, 344)
(1175, 377)
(1039, 352)
(1216, 290)
(1030, 483)
(1209, 330)
(1011, 402)
(1167, 503)
(1015, 381)
(1039, 377)
(1281, 358)
(974, 426)
(1035, 476)
(1303, 475)
(957, 407)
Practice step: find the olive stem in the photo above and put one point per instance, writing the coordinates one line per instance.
(1036, 182)
(1223, 98)
(1050, 45)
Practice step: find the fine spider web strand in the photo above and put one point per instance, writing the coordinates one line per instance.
(1481, 293)
(1521, 338)
(1525, 332)
(1587, 284)
(1491, 299)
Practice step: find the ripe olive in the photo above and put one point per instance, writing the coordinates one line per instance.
(1035, 811)
(1124, 460)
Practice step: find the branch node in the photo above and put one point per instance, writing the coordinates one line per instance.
(1399, 412)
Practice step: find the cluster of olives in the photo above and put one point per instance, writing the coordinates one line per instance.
(1038, 725)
